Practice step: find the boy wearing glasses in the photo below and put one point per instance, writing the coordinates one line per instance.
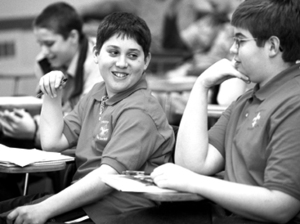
(256, 142)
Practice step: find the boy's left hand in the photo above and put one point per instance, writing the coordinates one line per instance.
(29, 214)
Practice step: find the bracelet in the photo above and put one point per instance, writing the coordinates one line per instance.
(36, 129)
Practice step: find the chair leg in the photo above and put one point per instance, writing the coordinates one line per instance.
(26, 184)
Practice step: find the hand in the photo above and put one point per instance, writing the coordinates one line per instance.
(51, 82)
(219, 72)
(17, 124)
(173, 177)
(30, 214)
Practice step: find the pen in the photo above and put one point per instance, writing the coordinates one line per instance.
(139, 175)
(62, 82)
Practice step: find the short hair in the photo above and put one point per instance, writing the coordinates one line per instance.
(61, 18)
(127, 25)
(266, 18)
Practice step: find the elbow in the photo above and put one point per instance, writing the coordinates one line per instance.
(49, 146)
(282, 217)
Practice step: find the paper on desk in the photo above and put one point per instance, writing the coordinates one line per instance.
(23, 157)
(125, 184)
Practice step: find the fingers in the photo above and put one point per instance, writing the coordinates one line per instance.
(9, 117)
(51, 82)
(11, 217)
(162, 174)
(20, 112)
(241, 76)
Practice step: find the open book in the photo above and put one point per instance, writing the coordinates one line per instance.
(22, 157)
(127, 183)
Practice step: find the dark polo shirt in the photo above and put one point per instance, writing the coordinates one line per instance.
(131, 133)
(259, 135)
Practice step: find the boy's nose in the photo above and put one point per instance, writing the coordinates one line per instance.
(233, 49)
(122, 62)
(45, 50)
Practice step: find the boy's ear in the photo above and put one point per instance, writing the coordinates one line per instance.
(74, 36)
(147, 61)
(274, 46)
(95, 54)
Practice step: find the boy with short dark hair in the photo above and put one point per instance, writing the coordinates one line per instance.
(117, 126)
(256, 140)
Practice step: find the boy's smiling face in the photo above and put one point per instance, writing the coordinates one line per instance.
(121, 62)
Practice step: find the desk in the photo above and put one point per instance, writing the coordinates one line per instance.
(214, 110)
(31, 104)
(127, 184)
(34, 168)
(172, 196)
(179, 84)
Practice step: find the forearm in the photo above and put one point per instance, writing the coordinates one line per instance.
(51, 123)
(192, 139)
(253, 202)
(230, 90)
(85, 191)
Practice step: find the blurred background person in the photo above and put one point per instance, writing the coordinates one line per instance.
(205, 40)
(64, 47)
(58, 31)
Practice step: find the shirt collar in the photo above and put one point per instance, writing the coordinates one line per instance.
(141, 84)
(284, 76)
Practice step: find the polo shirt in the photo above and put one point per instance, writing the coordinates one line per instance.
(130, 133)
(259, 135)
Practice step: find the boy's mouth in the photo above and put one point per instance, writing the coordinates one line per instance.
(120, 75)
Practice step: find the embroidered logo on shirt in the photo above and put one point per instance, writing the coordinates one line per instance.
(255, 120)
(104, 131)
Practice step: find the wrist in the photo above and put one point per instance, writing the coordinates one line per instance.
(36, 129)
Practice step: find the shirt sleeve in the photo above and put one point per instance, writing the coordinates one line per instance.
(133, 141)
(282, 152)
(217, 132)
(73, 121)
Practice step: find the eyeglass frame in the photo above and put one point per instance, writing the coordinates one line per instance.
(237, 41)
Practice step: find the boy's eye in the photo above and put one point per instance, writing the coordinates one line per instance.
(48, 43)
(133, 56)
(113, 52)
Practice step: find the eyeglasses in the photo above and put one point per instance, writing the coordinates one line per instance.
(237, 41)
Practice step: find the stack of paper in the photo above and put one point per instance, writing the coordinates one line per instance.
(23, 157)
(127, 184)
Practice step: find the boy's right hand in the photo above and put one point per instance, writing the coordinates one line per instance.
(51, 82)
(219, 72)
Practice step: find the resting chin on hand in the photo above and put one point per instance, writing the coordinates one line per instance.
(18, 124)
